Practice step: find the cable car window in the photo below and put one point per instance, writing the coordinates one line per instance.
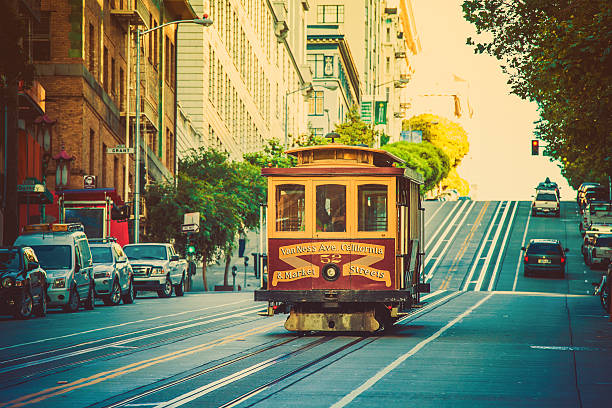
(290, 207)
(372, 207)
(331, 208)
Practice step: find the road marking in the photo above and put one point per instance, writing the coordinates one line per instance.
(456, 208)
(564, 348)
(435, 212)
(448, 228)
(464, 246)
(130, 368)
(520, 256)
(501, 248)
(449, 242)
(386, 370)
(543, 294)
(485, 267)
(468, 279)
(157, 332)
(120, 325)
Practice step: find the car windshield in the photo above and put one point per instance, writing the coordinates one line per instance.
(101, 254)
(53, 256)
(145, 252)
(604, 242)
(541, 248)
(9, 260)
(546, 197)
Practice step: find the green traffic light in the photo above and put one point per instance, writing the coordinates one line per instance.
(190, 249)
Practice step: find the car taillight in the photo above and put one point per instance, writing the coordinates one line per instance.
(526, 258)
(562, 259)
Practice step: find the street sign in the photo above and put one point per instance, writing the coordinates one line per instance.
(366, 111)
(190, 228)
(380, 108)
(120, 150)
(30, 188)
(192, 219)
(89, 181)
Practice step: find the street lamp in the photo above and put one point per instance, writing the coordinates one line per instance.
(307, 86)
(327, 113)
(204, 21)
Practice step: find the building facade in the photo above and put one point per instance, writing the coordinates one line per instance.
(243, 80)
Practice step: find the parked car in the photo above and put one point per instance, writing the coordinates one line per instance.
(546, 202)
(596, 212)
(63, 252)
(583, 188)
(158, 268)
(599, 251)
(595, 193)
(23, 283)
(546, 256)
(113, 273)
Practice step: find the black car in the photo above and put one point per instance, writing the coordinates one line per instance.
(23, 283)
(546, 256)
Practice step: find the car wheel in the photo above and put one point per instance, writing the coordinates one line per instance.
(41, 309)
(179, 290)
(23, 308)
(166, 292)
(73, 301)
(114, 297)
(90, 302)
(130, 294)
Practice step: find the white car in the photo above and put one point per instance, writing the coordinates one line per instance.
(546, 202)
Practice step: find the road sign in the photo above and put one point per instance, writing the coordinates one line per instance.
(30, 188)
(190, 228)
(120, 150)
(192, 219)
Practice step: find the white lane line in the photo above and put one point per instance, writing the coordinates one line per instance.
(457, 207)
(487, 262)
(543, 294)
(122, 342)
(379, 375)
(470, 276)
(501, 249)
(120, 325)
(435, 212)
(520, 255)
(448, 228)
(449, 243)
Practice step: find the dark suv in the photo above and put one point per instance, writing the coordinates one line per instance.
(23, 283)
(546, 256)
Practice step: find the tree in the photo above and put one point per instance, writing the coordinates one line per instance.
(354, 131)
(425, 158)
(273, 155)
(226, 194)
(558, 54)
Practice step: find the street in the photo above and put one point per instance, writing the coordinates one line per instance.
(485, 336)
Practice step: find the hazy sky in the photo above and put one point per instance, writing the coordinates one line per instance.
(500, 161)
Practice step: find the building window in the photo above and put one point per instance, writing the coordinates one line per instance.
(315, 104)
(92, 151)
(172, 63)
(92, 49)
(113, 81)
(105, 70)
(121, 89)
(387, 64)
(104, 172)
(41, 39)
(317, 132)
(167, 50)
(116, 173)
(315, 62)
(156, 35)
(388, 34)
(330, 14)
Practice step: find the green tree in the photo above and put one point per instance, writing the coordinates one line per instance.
(272, 155)
(558, 54)
(425, 158)
(354, 131)
(226, 194)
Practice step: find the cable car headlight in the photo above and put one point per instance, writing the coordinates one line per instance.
(331, 272)
(7, 282)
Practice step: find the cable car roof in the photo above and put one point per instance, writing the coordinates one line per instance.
(377, 157)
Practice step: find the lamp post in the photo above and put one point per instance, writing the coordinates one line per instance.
(205, 21)
(308, 86)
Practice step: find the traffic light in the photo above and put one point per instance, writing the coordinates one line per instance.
(535, 147)
(190, 248)
(120, 212)
(143, 177)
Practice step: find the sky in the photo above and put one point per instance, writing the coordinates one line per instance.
(500, 163)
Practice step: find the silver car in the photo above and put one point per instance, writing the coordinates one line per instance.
(113, 273)
(63, 251)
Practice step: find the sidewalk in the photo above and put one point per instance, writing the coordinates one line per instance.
(214, 272)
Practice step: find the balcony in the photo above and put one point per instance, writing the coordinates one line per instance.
(180, 10)
(132, 12)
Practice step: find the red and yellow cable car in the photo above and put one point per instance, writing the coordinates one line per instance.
(345, 233)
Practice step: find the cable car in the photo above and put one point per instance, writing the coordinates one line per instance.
(344, 240)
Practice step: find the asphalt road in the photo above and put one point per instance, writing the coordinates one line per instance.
(486, 336)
